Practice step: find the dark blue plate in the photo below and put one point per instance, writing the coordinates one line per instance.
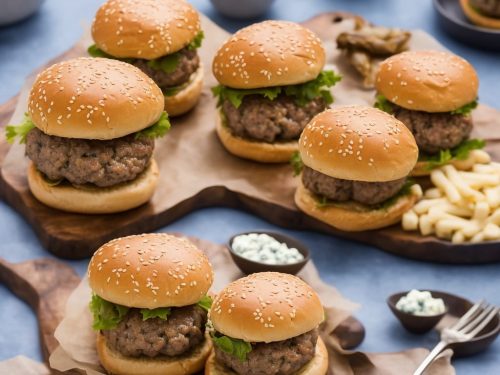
(453, 20)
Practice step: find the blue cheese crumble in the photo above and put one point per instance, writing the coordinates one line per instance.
(265, 249)
(420, 303)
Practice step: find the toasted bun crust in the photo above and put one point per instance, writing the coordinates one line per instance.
(95, 200)
(187, 98)
(145, 29)
(478, 18)
(358, 143)
(350, 216)
(94, 98)
(263, 152)
(286, 305)
(269, 53)
(430, 81)
(316, 366)
(117, 364)
(154, 270)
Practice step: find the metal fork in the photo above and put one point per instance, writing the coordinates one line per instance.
(465, 329)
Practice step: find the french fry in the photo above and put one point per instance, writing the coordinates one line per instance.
(464, 189)
(492, 196)
(458, 237)
(479, 237)
(423, 206)
(480, 156)
(491, 232)
(433, 193)
(481, 211)
(425, 225)
(410, 220)
(439, 179)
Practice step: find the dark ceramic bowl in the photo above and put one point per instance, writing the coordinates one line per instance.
(248, 266)
(453, 20)
(414, 323)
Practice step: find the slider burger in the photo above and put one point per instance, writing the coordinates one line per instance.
(356, 160)
(89, 132)
(160, 37)
(433, 94)
(150, 305)
(485, 13)
(271, 84)
(267, 324)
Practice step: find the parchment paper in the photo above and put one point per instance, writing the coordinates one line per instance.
(77, 340)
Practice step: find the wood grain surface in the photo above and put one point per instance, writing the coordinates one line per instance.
(196, 172)
(45, 284)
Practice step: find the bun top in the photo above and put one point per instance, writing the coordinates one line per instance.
(94, 98)
(150, 271)
(358, 143)
(430, 81)
(266, 307)
(145, 29)
(269, 53)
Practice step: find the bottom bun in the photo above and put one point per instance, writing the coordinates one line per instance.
(316, 366)
(93, 199)
(351, 216)
(279, 152)
(117, 364)
(477, 18)
(187, 98)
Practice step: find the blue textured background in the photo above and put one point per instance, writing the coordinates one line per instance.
(362, 273)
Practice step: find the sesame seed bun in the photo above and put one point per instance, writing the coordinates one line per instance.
(187, 98)
(94, 98)
(479, 19)
(351, 216)
(145, 29)
(263, 152)
(150, 271)
(358, 143)
(318, 365)
(286, 307)
(269, 53)
(430, 81)
(95, 200)
(116, 363)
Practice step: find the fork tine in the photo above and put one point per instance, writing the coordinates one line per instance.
(484, 323)
(467, 316)
(478, 319)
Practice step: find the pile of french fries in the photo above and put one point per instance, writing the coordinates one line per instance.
(464, 206)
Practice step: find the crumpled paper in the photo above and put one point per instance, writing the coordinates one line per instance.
(77, 339)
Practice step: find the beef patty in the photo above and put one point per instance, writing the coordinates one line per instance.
(182, 331)
(336, 189)
(266, 120)
(83, 161)
(435, 131)
(188, 63)
(275, 358)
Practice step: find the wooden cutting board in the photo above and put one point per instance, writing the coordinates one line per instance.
(196, 172)
(45, 284)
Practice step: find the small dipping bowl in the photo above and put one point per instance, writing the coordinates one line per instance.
(248, 266)
(415, 323)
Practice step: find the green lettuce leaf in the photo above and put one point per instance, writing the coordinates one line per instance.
(461, 152)
(95, 51)
(157, 130)
(196, 42)
(297, 164)
(19, 131)
(383, 104)
(160, 312)
(205, 302)
(167, 63)
(466, 109)
(235, 347)
(305, 92)
(302, 93)
(107, 315)
(235, 96)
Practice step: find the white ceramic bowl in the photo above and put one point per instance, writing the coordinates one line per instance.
(242, 8)
(15, 10)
